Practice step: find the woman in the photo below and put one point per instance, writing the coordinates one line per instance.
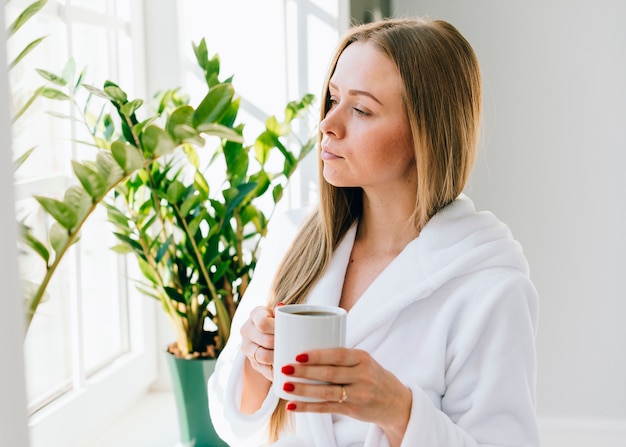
(441, 311)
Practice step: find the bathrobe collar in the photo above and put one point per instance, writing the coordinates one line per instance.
(456, 241)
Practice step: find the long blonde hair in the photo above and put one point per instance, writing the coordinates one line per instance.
(442, 98)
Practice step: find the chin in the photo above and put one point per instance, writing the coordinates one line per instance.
(334, 181)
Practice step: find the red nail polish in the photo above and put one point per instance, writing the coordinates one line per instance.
(302, 358)
(291, 406)
(280, 304)
(288, 369)
(289, 387)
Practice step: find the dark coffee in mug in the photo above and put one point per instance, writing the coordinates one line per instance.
(315, 313)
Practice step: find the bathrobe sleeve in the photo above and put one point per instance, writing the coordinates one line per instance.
(490, 373)
(225, 384)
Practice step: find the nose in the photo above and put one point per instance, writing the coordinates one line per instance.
(331, 124)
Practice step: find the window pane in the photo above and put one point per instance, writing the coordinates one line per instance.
(102, 299)
(37, 129)
(91, 50)
(46, 349)
(96, 6)
(122, 9)
(83, 325)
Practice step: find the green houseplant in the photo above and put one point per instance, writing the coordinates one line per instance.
(194, 231)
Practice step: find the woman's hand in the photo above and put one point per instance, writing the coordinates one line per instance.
(258, 340)
(358, 387)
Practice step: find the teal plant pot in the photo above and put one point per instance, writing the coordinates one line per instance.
(189, 382)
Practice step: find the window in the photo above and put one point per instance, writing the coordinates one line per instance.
(91, 348)
(80, 348)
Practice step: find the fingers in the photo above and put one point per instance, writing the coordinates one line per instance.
(353, 384)
(336, 370)
(258, 330)
(322, 394)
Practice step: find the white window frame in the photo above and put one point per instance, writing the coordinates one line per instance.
(12, 387)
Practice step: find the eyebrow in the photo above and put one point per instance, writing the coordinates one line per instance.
(355, 92)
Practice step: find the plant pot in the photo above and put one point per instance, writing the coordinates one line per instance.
(189, 383)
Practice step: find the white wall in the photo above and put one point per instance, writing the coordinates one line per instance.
(13, 430)
(551, 166)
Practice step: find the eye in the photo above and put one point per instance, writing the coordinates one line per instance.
(360, 112)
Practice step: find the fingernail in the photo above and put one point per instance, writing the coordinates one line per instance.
(291, 406)
(289, 387)
(280, 304)
(302, 358)
(288, 369)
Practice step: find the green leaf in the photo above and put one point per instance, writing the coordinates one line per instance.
(34, 243)
(52, 93)
(117, 217)
(262, 182)
(25, 15)
(69, 71)
(263, 146)
(97, 92)
(236, 196)
(22, 158)
(202, 54)
(190, 202)
(122, 249)
(30, 47)
(127, 156)
(192, 155)
(28, 103)
(115, 93)
(109, 127)
(180, 125)
(51, 77)
(222, 321)
(91, 180)
(175, 192)
(156, 141)
(277, 193)
(59, 211)
(79, 200)
(230, 116)
(295, 108)
(151, 293)
(214, 105)
(175, 295)
(222, 268)
(131, 107)
(218, 130)
(108, 168)
(163, 249)
(131, 243)
(139, 127)
(79, 80)
(58, 237)
(201, 184)
(237, 162)
(289, 157)
(277, 128)
(212, 71)
(148, 271)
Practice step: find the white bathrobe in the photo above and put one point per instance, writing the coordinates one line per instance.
(453, 317)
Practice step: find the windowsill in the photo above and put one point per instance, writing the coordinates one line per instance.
(151, 422)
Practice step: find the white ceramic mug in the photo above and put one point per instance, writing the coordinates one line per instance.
(300, 328)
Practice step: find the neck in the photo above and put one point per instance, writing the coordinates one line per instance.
(387, 226)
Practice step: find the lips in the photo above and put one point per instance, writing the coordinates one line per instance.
(328, 155)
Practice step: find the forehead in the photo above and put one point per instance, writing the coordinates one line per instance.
(362, 65)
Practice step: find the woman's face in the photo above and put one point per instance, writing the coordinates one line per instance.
(366, 138)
